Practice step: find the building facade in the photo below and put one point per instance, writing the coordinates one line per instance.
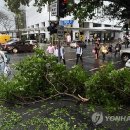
(101, 27)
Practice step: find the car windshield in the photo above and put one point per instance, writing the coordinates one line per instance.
(10, 42)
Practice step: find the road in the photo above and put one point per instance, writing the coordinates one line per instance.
(89, 62)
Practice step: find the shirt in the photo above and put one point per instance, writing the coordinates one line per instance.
(50, 49)
(61, 52)
(79, 50)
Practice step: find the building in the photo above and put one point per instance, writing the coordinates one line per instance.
(37, 23)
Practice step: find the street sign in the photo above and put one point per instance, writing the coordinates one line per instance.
(54, 8)
(60, 31)
(66, 22)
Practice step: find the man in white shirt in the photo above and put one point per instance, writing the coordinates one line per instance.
(79, 52)
(60, 54)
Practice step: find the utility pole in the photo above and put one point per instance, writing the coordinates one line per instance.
(61, 12)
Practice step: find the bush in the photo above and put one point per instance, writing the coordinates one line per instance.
(109, 87)
(98, 85)
(40, 75)
(121, 84)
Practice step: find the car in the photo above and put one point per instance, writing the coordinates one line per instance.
(127, 64)
(18, 46)
(34, 42)
(125, 54)
(73, 44)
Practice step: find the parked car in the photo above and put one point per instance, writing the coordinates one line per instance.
(127, 64)
(125, 54)
(73, 44)
(18, 46)
(34, 42)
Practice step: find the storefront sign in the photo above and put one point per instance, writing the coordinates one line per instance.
(66, 22)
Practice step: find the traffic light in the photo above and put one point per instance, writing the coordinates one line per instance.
(52, 28)
(62, 8)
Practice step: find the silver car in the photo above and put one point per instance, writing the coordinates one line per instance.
(74, 44)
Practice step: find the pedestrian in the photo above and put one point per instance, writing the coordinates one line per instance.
(50, 49)
(110, 49)
(126, 42)
(68, 39)
(117, 48)
(3, 61)
(86, 40)
(59, 53)
(97, 42)
(96, 51)
(104, 51)
(79, 52)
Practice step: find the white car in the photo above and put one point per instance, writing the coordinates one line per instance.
(125, 54)
(31, 42)
(127, 64)
(73, 44)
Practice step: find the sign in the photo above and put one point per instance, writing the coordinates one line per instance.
(60, 31)
(66, 22)
(54, 8)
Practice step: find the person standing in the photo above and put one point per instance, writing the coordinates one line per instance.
(59, 53)
(79, 52)
(68, 39)
(3, 61)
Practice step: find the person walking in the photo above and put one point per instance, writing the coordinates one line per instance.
(79, 52)
(104, 51)
(117, 48)
(50, 49)
(3, 61)
(96, 51)
(59, 53)
(110, 49)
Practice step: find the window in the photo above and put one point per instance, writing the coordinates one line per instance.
(37, 25)
(32, 26)
(106, 25)
(96, 25)
(43, 24)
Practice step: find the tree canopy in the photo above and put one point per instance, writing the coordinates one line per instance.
(6, 22)
(84, 8)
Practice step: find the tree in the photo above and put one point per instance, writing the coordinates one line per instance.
(6, 22)
(85, 8)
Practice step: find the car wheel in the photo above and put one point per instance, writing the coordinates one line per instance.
(15, 50)
(125, 57)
